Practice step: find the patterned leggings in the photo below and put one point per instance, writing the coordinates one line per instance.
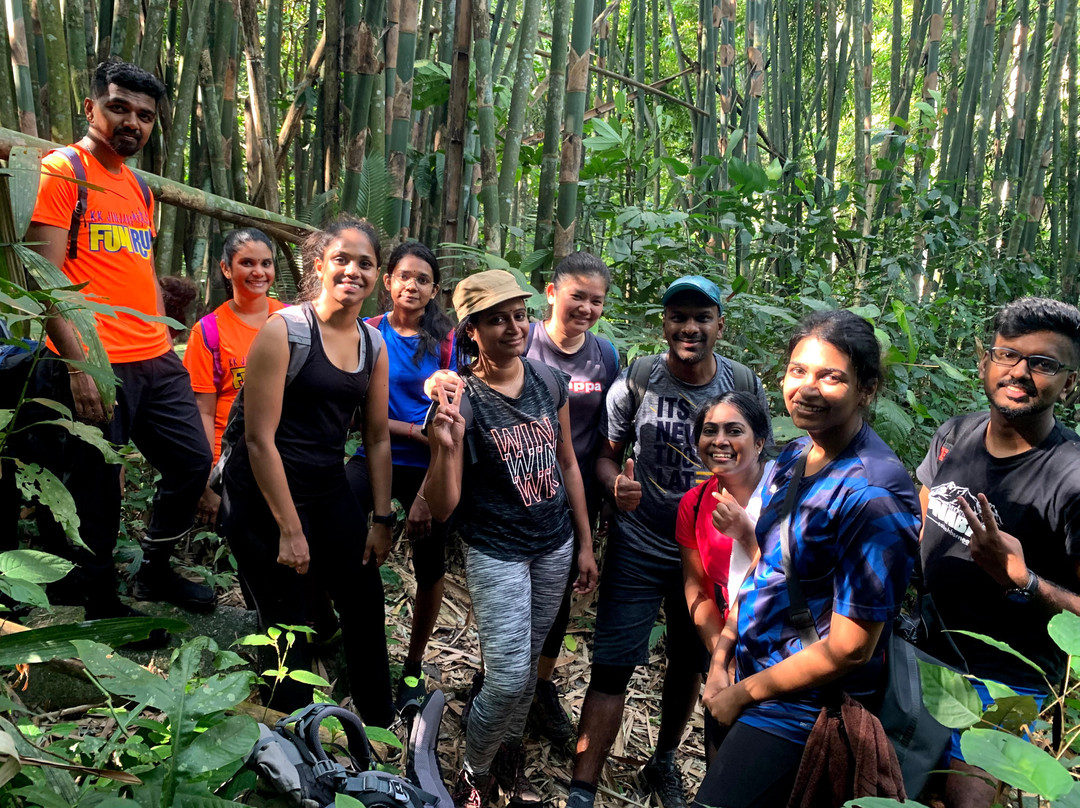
(515, 603)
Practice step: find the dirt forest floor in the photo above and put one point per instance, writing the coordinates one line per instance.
(453, 657)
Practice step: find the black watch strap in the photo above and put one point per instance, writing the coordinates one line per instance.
(387, 520)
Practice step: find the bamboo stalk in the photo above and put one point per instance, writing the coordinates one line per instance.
(485, 118)
(58, 85)
(78, 79)
(519, 104)
(8, 112)
(549, 160)
(150, 49)
(577, 74)
(359, 132)
(455, 121)
(266, 191)
(402, 114)
(178, 132)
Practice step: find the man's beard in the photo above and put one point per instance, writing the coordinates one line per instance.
(125, 144)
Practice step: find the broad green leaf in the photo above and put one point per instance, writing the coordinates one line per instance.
(1012, 713)
(220, 692)
(24, 165)
(34, 566)
(42, 485)
(949, 696)
(997, 690)
(345, 801)
(1070, 800)
(998, 645)
(55, 642)
(381, 735)
(1064, 629)
(950, 370)
(867, 312)
(255, 639)
(881, 802)
(1017, 762)
(24, 592)
(122, 677)
(89, 434)
(222, 744)
(308, 678)
(570, 642)
(60, 783)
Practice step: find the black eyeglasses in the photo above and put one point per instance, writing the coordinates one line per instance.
(1043, 365)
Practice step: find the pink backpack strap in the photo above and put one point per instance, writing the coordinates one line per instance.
(212, 340)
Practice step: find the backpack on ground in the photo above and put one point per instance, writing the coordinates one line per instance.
(300, 323)
(79, 170)
(292, 760)
(422, 765)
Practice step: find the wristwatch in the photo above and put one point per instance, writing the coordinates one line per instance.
(387, 520)
(1024, 594)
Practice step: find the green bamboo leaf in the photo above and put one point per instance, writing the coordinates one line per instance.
(34, 566)
(998, 645)
(949, 696)
(1064, 629)
(1017, 762)
(42, 485)
(56, 642)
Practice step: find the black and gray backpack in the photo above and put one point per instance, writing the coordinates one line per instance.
(292, 760)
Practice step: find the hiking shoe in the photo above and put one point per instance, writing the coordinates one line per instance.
(508, 769)
(547, 714)
(159, 582)
(661, 776)
(474, 691)
(412, 690)
(472, 790)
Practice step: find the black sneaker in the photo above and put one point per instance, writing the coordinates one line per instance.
(508, 769)
(159, 582)
(661, 776)
(412, 690)
(474, 691)
(547, 714)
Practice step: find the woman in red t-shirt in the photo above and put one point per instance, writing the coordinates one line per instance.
(216, 354)
(715, 526)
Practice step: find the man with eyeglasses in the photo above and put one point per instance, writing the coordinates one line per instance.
(1001, 517)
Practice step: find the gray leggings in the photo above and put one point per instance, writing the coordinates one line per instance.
(515, 603)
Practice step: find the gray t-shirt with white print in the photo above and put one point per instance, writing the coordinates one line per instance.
(666, 461)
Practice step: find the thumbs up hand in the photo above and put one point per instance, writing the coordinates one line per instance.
(731, 519)
(627, 490)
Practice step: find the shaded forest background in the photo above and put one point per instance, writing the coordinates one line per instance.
(914, 159)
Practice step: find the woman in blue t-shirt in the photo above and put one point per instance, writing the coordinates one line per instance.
(853, 533)
(511, 473)
(418, 340)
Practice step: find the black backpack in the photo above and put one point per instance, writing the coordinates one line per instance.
(291, 758)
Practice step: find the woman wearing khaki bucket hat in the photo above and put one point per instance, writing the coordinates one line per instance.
(519, 507)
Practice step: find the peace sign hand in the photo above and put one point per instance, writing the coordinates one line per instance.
(999, 554)
(448, 426)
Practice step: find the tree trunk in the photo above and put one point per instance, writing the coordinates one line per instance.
(455, 122)
(485, 119)
(577, 80)
(549, 161)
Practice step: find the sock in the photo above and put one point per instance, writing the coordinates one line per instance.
(582, 794)
(412, 669)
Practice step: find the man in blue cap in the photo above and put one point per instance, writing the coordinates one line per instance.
(651, 408)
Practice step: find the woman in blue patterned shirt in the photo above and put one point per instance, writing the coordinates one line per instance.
(853, 528)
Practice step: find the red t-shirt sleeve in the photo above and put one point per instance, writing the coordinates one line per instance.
(199, 362)
(56, 197)
(685, 530)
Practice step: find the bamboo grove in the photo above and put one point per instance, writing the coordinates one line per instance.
(931, 140)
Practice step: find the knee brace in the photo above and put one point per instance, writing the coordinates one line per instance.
(611, 680)
(429, 557)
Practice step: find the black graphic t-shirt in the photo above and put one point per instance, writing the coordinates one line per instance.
(513, 503)
(1035, 496)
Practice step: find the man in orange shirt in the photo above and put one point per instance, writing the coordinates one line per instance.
(155, 407)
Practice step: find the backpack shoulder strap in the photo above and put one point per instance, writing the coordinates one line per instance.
(212, 341)
(374, 321)
(697, 505)
(637, 378)
(77, 214)
(299, 325)
(548, 376)
(610, 358)
(743, 377)
(146, 195)
(529, 339)
(369, 346)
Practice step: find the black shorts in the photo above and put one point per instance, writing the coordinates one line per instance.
(633, 587)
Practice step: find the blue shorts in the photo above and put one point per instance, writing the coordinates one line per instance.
(953, 752)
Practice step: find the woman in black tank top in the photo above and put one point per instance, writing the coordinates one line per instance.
(294, 525)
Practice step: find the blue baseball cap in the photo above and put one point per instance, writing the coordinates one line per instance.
(694, 283)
